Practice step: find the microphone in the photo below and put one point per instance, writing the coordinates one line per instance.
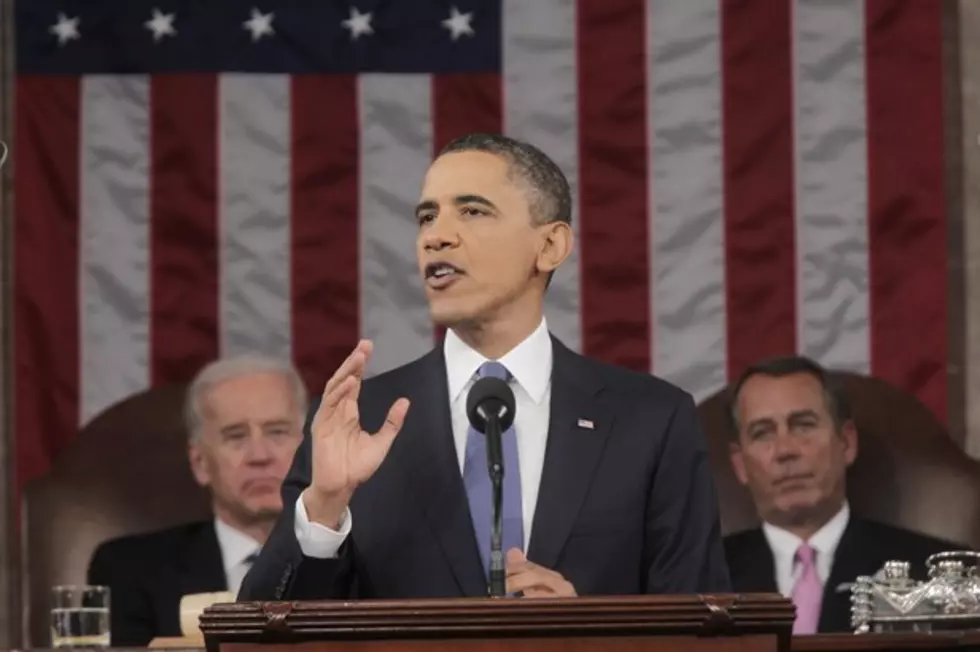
(490, 408)
(3, 153)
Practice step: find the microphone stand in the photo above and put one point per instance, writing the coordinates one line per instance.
(495, 466)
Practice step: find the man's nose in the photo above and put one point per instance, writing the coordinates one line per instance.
(259, 450)
(441, 233)
(785, 445)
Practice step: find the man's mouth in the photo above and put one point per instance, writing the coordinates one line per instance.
(262, 484)
(796, 478)
(441, 275)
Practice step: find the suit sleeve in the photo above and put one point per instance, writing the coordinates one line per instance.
(683, 526)
(131, 620)
(282, 571)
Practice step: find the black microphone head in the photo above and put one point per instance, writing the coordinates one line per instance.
(490, 396)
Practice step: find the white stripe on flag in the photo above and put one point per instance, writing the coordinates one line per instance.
(396, 149)
(541, 106)
(831, 183)
(254, 208)
(114, 241)
(687, 271)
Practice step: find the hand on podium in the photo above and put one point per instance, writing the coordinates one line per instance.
(534, 581)
(344, 455)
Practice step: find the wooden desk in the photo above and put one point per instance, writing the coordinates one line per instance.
(333, 626)
(823, 643)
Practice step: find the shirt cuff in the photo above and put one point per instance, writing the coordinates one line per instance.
(317, 540)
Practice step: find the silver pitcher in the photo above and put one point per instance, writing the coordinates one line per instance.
(891, 601)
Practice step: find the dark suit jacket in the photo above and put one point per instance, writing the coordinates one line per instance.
(863, 549)
(628, 507)
(149, 573)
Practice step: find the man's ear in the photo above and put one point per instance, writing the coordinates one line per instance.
(849, 434)
(199, 463)
(557, 242)
(738, 463)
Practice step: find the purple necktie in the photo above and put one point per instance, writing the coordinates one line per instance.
(479, 491)
(808, 593)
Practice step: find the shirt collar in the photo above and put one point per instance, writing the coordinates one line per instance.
(824, 541)
(235, 545)
(529, 362)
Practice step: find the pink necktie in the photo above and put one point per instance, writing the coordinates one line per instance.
(807, 594)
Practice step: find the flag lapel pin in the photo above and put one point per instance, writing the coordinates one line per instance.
(586, 424)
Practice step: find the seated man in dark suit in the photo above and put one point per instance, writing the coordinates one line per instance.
(244, 419)
(607, 487)
(794, 440)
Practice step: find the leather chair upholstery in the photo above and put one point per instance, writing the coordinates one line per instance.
(126, 472)
(908, 473)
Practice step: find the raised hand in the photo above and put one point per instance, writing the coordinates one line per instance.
(344, 455)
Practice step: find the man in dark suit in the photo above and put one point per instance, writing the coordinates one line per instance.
(244, 420)
(607, 485)
(794, 440)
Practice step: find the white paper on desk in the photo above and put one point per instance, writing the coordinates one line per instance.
(193, 605)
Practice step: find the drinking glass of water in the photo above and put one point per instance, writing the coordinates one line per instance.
(80, 617)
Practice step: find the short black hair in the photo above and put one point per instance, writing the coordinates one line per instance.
(777, 367)
(551, 197)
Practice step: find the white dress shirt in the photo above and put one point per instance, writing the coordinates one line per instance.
(235, 547)
(824, 543)
(530, 365)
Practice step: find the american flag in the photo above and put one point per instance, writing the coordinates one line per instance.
(195, 179)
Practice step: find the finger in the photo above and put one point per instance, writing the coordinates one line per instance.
(348, 414)
(540, 583)
(357, 358)
(528, 581)
(530, 568)
(539, 593)
(349, 372)
(516, 562)
(338, 393)
(394, 421)
(331, 417)
(330, 404)
(352, 366)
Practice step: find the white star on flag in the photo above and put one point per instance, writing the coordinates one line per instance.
(458, 24)
(66, 28)
(259, 24)
(358, 23)
(161, 25)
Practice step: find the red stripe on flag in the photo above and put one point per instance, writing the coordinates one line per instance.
(46, 326)
(325, 233)
(184, 225)
(464, 104)
(614, 242)
(758, 172)
(906, 200)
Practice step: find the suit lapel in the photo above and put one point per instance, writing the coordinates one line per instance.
(572, 454)
(434, 472)
(753, 566)
(850, 560)
(202, 569)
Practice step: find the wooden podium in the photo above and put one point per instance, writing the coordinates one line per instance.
(708, 623)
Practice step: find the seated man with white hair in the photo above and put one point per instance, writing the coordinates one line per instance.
(244, 420)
